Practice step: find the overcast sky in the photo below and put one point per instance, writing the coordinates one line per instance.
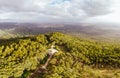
(60, 11)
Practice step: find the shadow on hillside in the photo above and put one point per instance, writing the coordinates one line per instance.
(11, 40)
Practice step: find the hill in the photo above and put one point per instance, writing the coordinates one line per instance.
(77, 57)
(102, 32)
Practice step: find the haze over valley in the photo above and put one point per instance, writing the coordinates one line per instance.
(94, 31)
(59, 38)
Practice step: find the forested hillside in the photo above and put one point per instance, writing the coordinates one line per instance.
(77, 57)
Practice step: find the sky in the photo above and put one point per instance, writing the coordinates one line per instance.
(60, 11)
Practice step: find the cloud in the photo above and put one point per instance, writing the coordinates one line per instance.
(112, 17)
(53, 10)
(96, 7)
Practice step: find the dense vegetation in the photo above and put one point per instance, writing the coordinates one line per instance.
(20, 57)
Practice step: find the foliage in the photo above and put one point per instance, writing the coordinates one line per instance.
(19, 57)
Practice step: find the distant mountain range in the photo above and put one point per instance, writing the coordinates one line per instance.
(8, 30)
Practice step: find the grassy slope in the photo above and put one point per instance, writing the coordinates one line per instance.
(5, 34)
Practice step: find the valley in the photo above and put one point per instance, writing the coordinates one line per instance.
(102, 32)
